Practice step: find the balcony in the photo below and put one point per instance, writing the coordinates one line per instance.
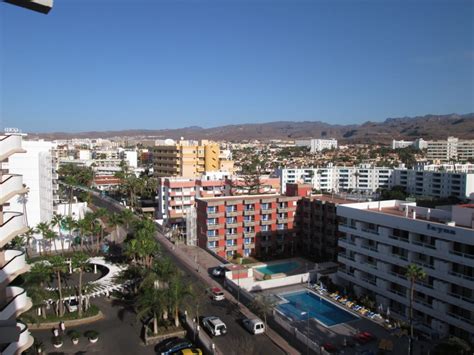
(232, 213)
(215, 226)
(10, 145)
(249, 223)
(10, 186)
(17, 302)
(267, 222)
(13, 225)
(15, 264)
(249, 212)
(25, 340)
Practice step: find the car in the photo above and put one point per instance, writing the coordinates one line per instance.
(214, 325)
(189, 351)
(218, 271)
(172, 345)
(216, 294)
(72, 305)
(254, 326)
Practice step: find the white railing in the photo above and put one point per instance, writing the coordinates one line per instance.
(16, 300)
(9, 145)
(13, 223)
(24, 341)
(11, 185)
(15, 261)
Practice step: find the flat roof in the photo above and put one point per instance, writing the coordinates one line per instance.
(243, 197)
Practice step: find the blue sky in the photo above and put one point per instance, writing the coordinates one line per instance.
(116, 64)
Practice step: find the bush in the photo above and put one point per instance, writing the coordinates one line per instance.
(74, 334)
(57, 340)
(267, 277)
(91, 334)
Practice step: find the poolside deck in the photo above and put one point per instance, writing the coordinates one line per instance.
(342, 333)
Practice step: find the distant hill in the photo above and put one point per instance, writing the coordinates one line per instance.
(427, 127)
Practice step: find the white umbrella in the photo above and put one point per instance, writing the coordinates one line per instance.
(381, 308)
(388, 311)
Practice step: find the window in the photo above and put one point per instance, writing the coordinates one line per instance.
(265, 228)
(211, 233)
(249, 229)
(247, 252)
(283, 205)
(212, 244)
(232, 208)
(281, 226)
(266, 206)
(249, 218)
(231, 242)
(212, 221)
(231, 220)
(231, 231)
(230, 254)
(266, 217)
(248, 240)
(250, 207)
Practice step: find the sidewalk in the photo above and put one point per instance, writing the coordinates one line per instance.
(189, 255)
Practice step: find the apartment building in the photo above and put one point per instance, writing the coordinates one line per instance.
(317, 145)
(450, 149)
(434, 183)
(363, 178)
(36, 167)
(317, 224)
(187, 159)
(250, 225)
(380, 239)
(447, 167)
(419, 143)
(14, 334)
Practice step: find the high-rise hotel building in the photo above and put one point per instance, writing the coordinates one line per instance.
(14, 335)
(378, 240)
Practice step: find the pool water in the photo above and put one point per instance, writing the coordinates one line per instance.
(303, 301)
(278, 268)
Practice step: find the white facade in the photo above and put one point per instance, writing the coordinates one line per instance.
(453, 168)
(401, 144)
(36, 166)
(450, 149)
(365, 178)
(380, 239)
(317, 145)
(14, 335)
(434, 183)
(131, 157)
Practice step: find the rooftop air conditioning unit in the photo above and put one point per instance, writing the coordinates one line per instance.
(43, 6)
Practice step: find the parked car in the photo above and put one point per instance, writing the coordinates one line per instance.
(216, 294)
(190, 351)
(214, 325)
(218, 271)
(172, 345)
(254, 326)
(72, 305)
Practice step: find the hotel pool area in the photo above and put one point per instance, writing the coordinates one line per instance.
(279, 268)
(297, 304)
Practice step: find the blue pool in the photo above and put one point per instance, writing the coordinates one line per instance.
(303, 301)
(278, 268)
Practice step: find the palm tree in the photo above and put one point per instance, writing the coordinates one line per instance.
(28, 236)
(71, 224)
(263, 306)
(35, 281)
(58, 265)
(58, 221)
(84, 228)
(177, 292)
(42, 228)
(127, 217)
(51, 236)
(79, 261)
(115, 221)
(151, 301)
(413, 273)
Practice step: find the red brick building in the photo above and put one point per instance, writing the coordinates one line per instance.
(250, 225)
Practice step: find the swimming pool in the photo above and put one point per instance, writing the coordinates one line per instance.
(299, 303)
(278, 268)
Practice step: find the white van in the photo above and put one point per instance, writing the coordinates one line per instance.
(254, 326)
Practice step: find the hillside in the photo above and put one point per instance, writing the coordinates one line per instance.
(428, 127)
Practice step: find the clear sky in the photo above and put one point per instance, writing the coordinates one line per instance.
(116, 64)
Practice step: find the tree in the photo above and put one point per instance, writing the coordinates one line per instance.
(42, 228)
(263, 305)
(58, 221)
(151, 302)
(114, 221)
(70, 224)
(59, 267)
(127, 217)
(79, 262)
(35, 281)
(413, 273)
(51, 236)
(178, 291)
(84, 226)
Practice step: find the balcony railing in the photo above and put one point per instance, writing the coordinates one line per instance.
(10, 145)
(10, 186)
(464, 255)
(13, 224)
(17, 301)
(15, 263)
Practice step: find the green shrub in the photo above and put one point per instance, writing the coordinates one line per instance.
(91, 334)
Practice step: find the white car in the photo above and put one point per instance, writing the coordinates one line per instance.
(216, 294)
(254, 326)
(72, 305)
(214, 325)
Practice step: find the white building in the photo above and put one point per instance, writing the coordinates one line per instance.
(36, 167)
(14, 335)
(380, 239)
(450, 149)
(434, 183)
(453, 168)
(363, 178)
(401, 144)
(131, 157)
(316, 145)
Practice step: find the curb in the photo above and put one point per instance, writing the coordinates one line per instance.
(67, 323)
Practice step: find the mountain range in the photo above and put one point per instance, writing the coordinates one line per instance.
(408, 128)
